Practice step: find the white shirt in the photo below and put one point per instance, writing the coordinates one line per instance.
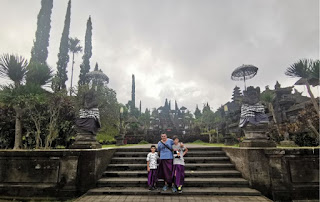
(152, 158)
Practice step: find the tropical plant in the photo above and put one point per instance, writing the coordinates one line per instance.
(16, 98)
(267, 98)
(74, 48)
(17, 69)
(307, 70)
(61, 115)
(35, 105)
(306, 127)
(13, 67)
(7, 124)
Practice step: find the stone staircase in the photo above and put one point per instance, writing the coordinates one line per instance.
(208, 172)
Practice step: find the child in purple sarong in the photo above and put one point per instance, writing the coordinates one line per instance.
(152, 158)
(178, 164)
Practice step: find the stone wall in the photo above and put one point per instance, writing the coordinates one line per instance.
(51, 173)
(280, 174)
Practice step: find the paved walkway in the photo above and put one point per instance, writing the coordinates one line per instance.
(124, 198)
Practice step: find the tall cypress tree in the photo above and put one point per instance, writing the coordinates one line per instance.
(85, 66)
(39, 51)
(133, 93)
(63, 56)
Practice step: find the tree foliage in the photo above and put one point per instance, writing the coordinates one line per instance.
(39, 52)
(7, 124)
(63, 55)
(197, 113)
(300, 69)
(39, 74)
(109, 110)
(307, 70)
(85, 66)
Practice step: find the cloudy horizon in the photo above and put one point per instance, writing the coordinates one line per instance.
(180, 50)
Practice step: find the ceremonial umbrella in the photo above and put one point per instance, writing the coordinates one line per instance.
(244, 72)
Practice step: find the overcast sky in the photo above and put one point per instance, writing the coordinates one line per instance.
(180, 50)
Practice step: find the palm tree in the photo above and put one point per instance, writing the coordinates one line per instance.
(74, 48)
(14, 67)
(267, 97)
(308, 72)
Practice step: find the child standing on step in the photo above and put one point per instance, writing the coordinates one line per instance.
(152, 158)
(178, 164)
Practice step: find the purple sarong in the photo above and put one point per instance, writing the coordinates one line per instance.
(165, 170)
(178, 174)
(152, 177)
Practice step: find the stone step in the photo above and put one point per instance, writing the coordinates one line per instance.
(226, 191)
(135, 160)
(189, 182)
(188, 173)
(204, 149)
(190, 166)
(189, 154)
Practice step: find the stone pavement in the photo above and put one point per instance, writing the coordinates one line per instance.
(124, 198)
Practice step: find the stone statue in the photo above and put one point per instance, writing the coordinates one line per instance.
(88, 123)
(252, 111)
(253, 120)
(89, 116)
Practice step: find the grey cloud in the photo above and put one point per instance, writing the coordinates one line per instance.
(168, 44)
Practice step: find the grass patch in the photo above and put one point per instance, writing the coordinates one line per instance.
(213, 144)
(297, 147)
(113, 145)
(143, 142)
(199, 142)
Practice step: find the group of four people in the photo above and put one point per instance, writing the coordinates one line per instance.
(171, 163)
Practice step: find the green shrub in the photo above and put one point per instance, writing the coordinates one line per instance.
(198, 142)
(143, 142)
(305, 139)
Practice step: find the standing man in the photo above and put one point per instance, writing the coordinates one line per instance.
(166, 160)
